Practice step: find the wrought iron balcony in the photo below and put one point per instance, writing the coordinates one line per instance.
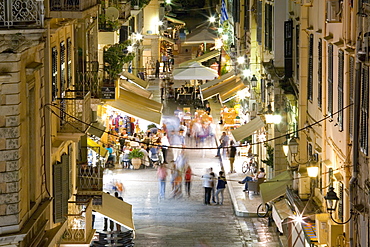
(90, 178)
(72, 5)
(79, 223)
(17, 13)
(75, 115)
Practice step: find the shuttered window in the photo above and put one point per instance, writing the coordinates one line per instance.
(246, 15)
(62, 63)
(69, 62)
(54, 72)
(319, 74)
(340, 88)
(310, 69)
(351, 94)
(268, 26)
(364, 117)
(330, 80)
(259, 21)
(61, 187)
(341, 202)
(263, 90)
(297, 51)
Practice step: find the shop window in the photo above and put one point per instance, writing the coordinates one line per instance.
(330, 80)
(340, 88)
(364, 111)
(310, 69)
(319, 74)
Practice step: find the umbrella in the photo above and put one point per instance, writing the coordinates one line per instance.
(195, 71)
(204, 35)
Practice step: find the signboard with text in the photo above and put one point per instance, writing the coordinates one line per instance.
(108, 93)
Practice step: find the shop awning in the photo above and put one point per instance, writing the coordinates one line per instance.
(140, 100)
(133, 87)
(201, 35)
(247, 129)
(275, 187)
(97, 148)
(218, 80)
(136, 79)
(225, 89)
(117, 210)
(174, 20)
(97, 129)
(195, 71)
(202, 58)
(171, 41)
(138, 106)
(280, 211)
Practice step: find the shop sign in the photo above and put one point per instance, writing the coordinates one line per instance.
(96, 199)
(108, 92)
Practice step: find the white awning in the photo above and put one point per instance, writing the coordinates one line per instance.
(280, 211)
(218, 80)
(138, 106)
(136, 79)
(247, 129)
(132, 86)
(117, 210)
(201, 59)
(275, 187)
(194, 71)
(174, 20)
(225, 89)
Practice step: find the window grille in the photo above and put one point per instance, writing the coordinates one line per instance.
(330, 80)
(319, 72)
(351, 93)
(340, 88)
(54, 72)
(364, 110)
(310, 69)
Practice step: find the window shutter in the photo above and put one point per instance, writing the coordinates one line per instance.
(319, 72)
(364, 110)
(54, 72)
(62, 69)
(330, 80)
(341, 202)
(297, 50)
(259, 21)
(351, 93)
(288, 48)
(69, 62)
(340, 89)
(263, 90)
(58, 192)
(310, 70)
(246, 15)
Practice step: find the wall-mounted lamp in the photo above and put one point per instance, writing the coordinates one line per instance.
(285, 148)
(312, 169)
(331, 200)
(293, 146)
(254, 81)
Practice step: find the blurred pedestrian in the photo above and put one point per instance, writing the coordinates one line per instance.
(207, 185)
(188, 180)
(213, 175)
(118, 226)
(111, 223)
(232, 153)
(157, 65)
(221, 185)
(224, 142)
(162, 175)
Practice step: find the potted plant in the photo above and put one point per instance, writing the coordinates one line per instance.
(136, 155)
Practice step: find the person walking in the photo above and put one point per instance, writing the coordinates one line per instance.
(232, 153)
(224, 141)
(157, 65)
(213, 184)
(162, 175)
(188, 180)
(221, 185)
(165, 144)
(111, 223)
(118, 226)
(207, 185)
(162, 87)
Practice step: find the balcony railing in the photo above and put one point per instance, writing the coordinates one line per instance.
(15, 13)
(72, 5)
(75, 111)
(90, 178)
(79, 223)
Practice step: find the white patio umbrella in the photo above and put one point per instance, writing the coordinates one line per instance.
(195, 71)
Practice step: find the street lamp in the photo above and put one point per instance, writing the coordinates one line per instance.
(271, 117)
(254, 81)
(331, 200)
(312, 169)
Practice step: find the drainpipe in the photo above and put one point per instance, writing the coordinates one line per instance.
(356, 125)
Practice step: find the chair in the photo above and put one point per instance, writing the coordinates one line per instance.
(255, 185)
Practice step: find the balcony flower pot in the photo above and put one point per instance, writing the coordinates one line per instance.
(135, 155)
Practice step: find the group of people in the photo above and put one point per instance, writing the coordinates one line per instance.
(211, 189)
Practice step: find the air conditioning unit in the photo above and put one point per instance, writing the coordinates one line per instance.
(326, 230)
(307, 3)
